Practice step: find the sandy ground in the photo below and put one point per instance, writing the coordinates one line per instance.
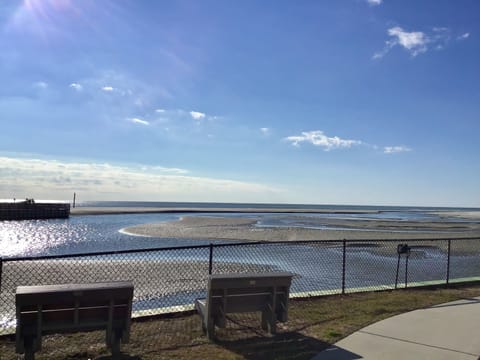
(245, 229)
(472, 215)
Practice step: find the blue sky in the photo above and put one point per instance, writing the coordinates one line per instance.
(329, 102)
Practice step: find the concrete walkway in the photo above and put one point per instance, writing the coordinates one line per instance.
(448, 331)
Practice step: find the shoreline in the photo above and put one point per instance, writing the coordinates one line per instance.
(458, 214)
(147, 210)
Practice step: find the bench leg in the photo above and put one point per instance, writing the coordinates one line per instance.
(210, 328)
(29, 354)
(269, 322)
(115, 344)
(29, 348)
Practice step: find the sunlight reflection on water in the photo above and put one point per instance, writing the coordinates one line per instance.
(35, 236)
(74, 235)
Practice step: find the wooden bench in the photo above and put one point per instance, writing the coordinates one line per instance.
(48, 309)
(250, 292)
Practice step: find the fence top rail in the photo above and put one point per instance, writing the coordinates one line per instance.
(233, 244)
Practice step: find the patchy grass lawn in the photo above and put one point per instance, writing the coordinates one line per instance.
(313, 325)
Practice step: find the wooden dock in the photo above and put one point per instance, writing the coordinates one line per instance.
(32, 210)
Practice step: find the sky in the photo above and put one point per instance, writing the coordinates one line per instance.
(362, 102)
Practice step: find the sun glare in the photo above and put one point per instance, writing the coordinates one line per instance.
(42, 6)
(41, 17)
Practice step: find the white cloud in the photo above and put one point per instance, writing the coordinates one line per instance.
(40, 85)
(164, 169)
(265, 130)
(52, 179)
(76, 86)
(107, 88)
(463, 36)
(415, 42)
(161, 111)
(318, 138)
(197, 115)
(395, 149)
(139, 102)
(138, 121)
(374, 2)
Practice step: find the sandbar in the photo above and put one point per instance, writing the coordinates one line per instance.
(246, 229)
(471, 215)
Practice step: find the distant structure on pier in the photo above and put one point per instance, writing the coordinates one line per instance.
(29, 209)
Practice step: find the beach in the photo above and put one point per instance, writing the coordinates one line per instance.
(473, 215)
(246, 229)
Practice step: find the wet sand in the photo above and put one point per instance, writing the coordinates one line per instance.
(245, 229)
(471, 215)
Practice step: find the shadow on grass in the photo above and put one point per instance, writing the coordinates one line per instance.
(290, 345)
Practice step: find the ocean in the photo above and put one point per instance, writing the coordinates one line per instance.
(209, 205)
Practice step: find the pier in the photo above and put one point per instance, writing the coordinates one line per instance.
(29, 209)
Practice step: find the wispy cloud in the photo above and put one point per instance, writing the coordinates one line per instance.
(396, 149)
(265, 130)
(415, 42)
(108, 88)
(76, 86)
(40, 85)
(463, 36)
(374, 2)
(22, 177)
(138, 121)
(197, 115)
(318, 138)
(163, 169)
(160, 111)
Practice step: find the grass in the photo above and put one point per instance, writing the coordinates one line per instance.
(313, 325)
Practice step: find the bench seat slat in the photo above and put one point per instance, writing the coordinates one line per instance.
(73, 308)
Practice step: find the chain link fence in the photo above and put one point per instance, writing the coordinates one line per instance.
(168, 280)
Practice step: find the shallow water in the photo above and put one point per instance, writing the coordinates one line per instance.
(79, 234)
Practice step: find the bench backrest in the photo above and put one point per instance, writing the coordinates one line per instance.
(72, 307)
(247, 292)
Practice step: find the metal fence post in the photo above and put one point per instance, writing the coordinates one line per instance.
(344, 264)
(448, 260)
(406, 270)
(398, 268)
(1, 269)
(210, 260)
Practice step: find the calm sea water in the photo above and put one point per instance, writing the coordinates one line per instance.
(93, 233)
(261, 206)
